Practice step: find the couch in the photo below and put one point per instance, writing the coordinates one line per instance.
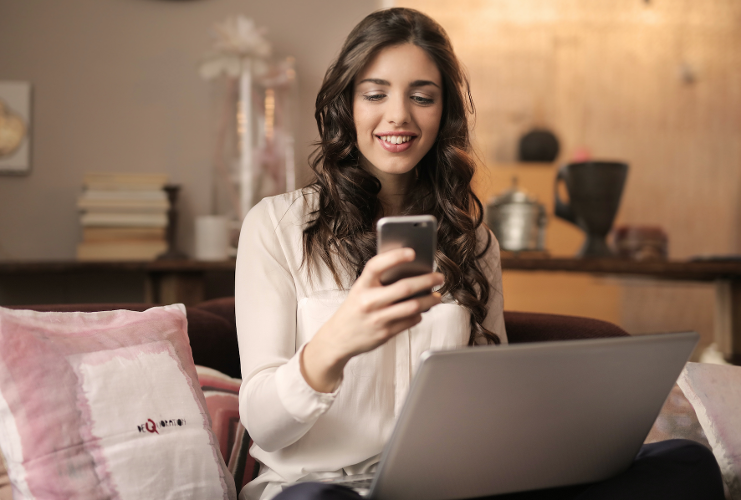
(213, 338)
(212, 329)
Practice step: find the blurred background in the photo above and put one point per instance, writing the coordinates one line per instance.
(653, 83)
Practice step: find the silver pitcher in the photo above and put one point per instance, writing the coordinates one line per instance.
(517, 220)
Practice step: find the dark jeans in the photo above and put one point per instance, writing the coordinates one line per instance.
(676, 469)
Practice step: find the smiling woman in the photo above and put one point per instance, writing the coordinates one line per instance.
(312, 314)
(327, 351)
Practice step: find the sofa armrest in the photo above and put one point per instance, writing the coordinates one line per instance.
(539, 327)
(223, 307)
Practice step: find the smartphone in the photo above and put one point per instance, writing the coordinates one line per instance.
(418, 232)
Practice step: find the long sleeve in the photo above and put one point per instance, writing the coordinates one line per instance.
(276, 404)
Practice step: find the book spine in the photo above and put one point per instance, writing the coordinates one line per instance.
(123, 195)
(100, 234)
(124, 205)
(128, 251)
(123, 181)
(123, 220)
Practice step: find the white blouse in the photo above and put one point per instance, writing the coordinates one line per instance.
(298, 432)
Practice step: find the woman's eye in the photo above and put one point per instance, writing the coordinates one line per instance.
(374, 97)
(422, 100)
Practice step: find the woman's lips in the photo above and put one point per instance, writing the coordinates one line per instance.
(396, 148)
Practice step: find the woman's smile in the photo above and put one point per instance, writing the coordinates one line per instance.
(396, 142)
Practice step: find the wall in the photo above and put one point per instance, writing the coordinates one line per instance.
(653, 82)
(116, 88)
(656, 83)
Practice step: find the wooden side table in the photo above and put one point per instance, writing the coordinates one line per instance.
(725, 274)
(165, 281)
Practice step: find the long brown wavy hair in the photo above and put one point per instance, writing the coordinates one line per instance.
(341, 233)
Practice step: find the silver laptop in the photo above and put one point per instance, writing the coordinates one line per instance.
(493, 420)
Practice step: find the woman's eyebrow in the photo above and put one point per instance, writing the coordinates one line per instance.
(415, 83)
(423, 83)
(377, 81)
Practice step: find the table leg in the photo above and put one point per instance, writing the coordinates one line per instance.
(171, 288)
(728, 319)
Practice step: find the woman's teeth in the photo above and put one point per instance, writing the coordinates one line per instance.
(396, 139)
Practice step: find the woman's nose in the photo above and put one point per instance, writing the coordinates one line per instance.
(398, 110)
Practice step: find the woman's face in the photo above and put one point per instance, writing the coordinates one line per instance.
(397, 106)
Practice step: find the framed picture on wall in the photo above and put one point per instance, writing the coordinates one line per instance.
(15, 127)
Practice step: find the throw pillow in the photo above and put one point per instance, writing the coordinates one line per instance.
(105, 405)
(715, 393)
(222, 399)
(677, 420)
(6, 490)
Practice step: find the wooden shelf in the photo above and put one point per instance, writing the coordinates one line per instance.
(22, 267)
(165, 281)
(671, 270)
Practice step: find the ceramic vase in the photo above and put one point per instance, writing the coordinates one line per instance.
(594, 189)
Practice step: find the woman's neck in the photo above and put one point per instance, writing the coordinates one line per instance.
(392, 200)
(394, 188)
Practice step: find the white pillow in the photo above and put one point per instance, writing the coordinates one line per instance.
(105, 405)
(715, 393)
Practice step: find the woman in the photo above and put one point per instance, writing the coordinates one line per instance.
(328, 352)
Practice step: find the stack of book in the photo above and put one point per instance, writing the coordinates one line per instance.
(123, 216)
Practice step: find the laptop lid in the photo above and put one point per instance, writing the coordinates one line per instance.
(492, 420)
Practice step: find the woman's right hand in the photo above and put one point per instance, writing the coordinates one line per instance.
(368, 318)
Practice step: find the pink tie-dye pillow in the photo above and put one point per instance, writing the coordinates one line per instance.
(222, 399)
(105, 405)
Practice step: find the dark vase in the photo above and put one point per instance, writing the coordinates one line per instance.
(538, 145)
(172, 252)
(594, 189)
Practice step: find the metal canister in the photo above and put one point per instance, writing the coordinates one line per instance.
(517, 220)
